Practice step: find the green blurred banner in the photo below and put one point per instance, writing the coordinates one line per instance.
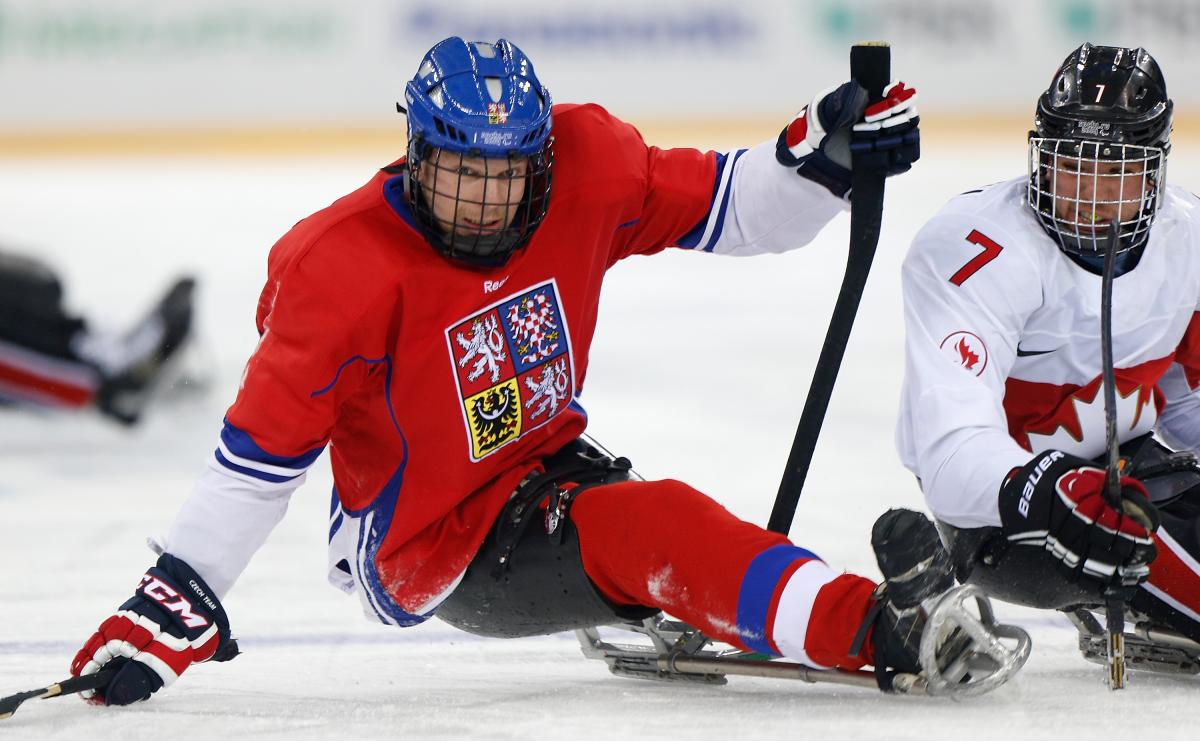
(72, 65)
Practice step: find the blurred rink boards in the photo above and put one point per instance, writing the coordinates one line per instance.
(263, 76)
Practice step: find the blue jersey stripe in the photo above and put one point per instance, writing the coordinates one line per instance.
(393, 193)
(242, 445)
(725, 198)
(338, 374)
(758, 587)
(692, 238)
(713, 222)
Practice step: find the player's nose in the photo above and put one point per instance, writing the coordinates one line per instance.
(499, 190)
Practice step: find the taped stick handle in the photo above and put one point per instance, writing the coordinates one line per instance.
(870, 66)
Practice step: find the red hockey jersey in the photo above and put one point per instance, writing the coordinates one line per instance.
(438, 387)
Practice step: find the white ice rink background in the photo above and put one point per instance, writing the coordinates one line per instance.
(698, 372)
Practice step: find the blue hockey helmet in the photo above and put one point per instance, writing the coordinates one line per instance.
(479, 149)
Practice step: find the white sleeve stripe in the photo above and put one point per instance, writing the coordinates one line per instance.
(260, 484)
(718, 200)
(258, 465)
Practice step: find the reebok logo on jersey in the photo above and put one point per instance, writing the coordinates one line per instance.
(967, 350)
(1031, 482)
(494, 285)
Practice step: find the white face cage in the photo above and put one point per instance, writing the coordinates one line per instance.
(1076, 187)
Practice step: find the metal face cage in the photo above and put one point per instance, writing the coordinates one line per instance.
(1076, 187)
(475, 209)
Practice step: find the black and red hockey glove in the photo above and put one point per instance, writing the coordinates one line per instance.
(882, 136)
(172, 621)
(1056, 502)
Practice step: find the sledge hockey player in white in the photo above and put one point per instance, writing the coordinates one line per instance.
(1002, 415)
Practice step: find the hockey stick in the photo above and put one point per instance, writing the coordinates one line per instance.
(1114, 606)
(870, 66)
(9, 705)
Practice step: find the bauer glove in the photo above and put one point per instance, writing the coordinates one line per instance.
(172, 621)
(839, 126)
(1056, 502)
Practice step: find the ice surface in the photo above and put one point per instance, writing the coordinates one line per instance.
(698, 372)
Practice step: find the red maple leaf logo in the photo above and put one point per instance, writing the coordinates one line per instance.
(969, 359)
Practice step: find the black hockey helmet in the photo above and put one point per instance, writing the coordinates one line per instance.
(1105, 105)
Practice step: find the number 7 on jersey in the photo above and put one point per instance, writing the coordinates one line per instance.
(991, 251)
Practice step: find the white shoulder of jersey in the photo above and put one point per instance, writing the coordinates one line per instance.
(1177, 225)
(981, 240)
(1180, 209)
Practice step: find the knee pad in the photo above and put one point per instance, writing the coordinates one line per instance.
(528, 577)
(1023, 575)
(1172, 478)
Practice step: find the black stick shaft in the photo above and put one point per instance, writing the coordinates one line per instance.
(1112, 483)
(870, 66)
(1114, 605)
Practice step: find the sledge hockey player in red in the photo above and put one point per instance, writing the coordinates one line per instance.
(52, 359)
(432, 328)
(1002, 415)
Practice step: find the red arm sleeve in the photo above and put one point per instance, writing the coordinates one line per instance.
(660, 194)
(678, 195)
(317, 319)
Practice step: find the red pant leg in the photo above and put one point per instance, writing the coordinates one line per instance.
(1172, 593)
(666, 545)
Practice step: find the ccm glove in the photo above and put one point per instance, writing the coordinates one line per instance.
(172, 621)
(838, 127)
(1056, 501)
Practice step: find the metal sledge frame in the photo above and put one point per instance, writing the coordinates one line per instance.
(679, 652)
(1147, 647)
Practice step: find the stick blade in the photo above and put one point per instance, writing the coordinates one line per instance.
(9, 705)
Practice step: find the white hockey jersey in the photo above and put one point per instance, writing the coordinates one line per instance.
(1002, 350)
